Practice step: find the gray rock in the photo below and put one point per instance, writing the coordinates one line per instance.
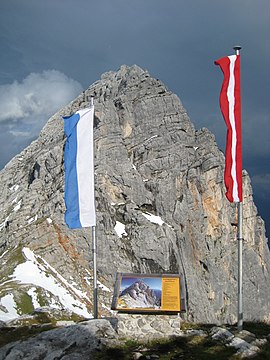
(195, 332)
(246, 335)
(81, 340)
(249, 353)
(219, 333)
(2, 324)
(244, 349)
(259, 342)
(239, 344)
(137, 355)
(149, 158)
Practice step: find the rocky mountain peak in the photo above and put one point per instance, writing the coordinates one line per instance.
(160, 206)
(139, 294)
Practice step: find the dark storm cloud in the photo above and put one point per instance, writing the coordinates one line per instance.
(176, 40)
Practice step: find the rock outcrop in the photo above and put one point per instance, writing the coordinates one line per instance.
(159, 180)
(108, 338)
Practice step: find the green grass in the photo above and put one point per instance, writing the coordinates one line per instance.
(10, 334)
(24, 303)
(30, 327)
(41, 298)
(193, 347)
(258, 328)
(190, 347)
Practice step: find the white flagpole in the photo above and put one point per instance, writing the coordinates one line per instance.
(95, 292)
(240, 251)
(94, 252)
(240, 267)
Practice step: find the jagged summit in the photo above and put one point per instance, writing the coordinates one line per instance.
(158, 180)
(139, 294)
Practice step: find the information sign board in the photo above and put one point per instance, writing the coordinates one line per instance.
(149, 293)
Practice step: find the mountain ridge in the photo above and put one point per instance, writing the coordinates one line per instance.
(149, 160)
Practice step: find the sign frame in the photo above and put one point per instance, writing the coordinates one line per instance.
(163, 293)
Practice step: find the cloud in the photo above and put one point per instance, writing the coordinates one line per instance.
(27, 105)
(38, 94)
(20, 133)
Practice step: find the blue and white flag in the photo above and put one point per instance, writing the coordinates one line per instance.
(79, 169)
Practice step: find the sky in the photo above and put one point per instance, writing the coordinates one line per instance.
(52, 50)
(154, 283)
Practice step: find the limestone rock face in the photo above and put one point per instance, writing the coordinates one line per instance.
(160, 181)
(78, 341)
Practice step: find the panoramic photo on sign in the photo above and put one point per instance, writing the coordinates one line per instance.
(147, 293)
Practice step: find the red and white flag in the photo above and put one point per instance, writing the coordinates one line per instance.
(230, 104)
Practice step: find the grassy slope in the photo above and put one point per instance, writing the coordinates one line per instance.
(191, 347)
